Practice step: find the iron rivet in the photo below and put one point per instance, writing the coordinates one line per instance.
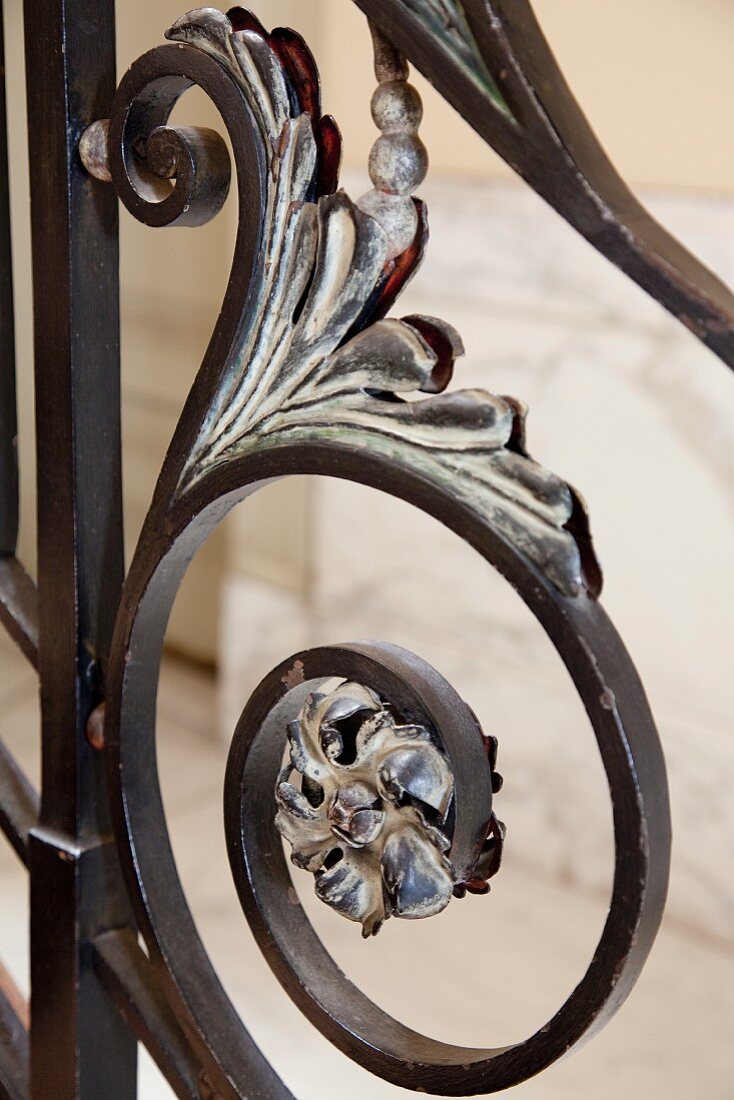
(94, 731)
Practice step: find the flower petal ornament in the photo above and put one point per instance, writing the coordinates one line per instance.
(367, 820)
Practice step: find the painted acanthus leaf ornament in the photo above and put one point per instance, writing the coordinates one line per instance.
(318, 360)
(367, 818)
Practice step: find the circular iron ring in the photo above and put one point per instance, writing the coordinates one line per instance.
(612, 695)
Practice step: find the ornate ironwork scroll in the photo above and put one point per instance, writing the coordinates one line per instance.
(386, 795)
(306, 374)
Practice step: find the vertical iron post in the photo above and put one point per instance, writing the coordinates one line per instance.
(79, 1046)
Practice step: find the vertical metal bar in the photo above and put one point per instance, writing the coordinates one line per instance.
(8, 416)
(79, 1046)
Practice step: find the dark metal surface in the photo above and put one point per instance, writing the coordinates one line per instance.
(303, 375)
(130, 980)
(79, 1045)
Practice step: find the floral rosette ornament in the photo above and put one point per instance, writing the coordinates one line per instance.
(368, 820)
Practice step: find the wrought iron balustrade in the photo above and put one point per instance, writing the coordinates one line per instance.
(387, 794)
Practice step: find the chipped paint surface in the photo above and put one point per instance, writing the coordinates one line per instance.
(294, 676)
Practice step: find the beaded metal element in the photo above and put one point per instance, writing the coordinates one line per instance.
(398, 160)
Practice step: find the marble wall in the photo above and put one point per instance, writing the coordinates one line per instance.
(626, 405)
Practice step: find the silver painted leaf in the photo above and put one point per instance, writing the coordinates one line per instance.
(354, 894)
(416, 876)
(419, 771)
(302, 825)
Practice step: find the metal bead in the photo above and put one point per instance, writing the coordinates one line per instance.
(396, 215)
(396, 108)
(398, 163)
(94, 150)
